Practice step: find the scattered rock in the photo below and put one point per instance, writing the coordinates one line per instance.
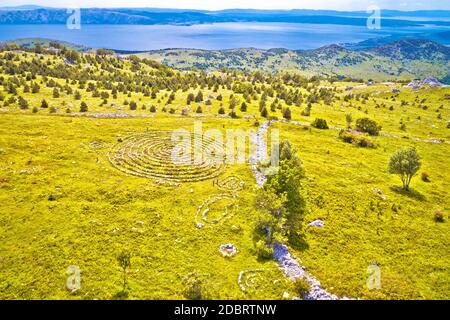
(286, 295)
(317, 223)
(140, 222)
(235, 228)
(293, 270)
(199, 225)
(380, 193)
(427, 82)
(228, 250)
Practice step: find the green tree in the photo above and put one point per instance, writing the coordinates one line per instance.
(23, 104)
(199, 96)
(287, 114)
(264, 112)
(83, 107)
(190, 98)
(44, 104)
(133, 105)
(124, 260)
(55, 93)
(281, 198)
(349, 120)
(405, 163)
(320, 123)
(368, 125)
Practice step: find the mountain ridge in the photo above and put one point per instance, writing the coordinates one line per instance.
(149, 16)
(404, 60)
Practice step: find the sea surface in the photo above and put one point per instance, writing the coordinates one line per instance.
(216, 36)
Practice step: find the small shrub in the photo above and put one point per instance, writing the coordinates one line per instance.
(368, 126)
(199, 110)
(133, 105)
(35, 109)
(425, 177)
(193, 287)
(301, 287)
(439, 216)
(221, 110)
(287, 114)
(264, 112)
(83, 107)
(320, 124)
(263, 251)
(357, 140)
(233, 114)
(52, 110)
(44, 104)
(153, 109)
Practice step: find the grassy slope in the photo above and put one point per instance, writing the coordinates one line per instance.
(361, 228)
(41, 238)
(374, 67)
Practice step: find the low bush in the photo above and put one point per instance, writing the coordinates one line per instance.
(425, 177)
(301, 287)
(368, 126)
(320, 124)
(193, 287)
(263, 251)
(438, 216)
(356, 139)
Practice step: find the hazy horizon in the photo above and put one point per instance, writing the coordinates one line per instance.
(213, 5)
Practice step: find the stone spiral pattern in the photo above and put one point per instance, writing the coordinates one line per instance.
(149, 155)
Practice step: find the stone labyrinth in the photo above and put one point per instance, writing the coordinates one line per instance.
(150, 155)
(250, 279)
(222, 206)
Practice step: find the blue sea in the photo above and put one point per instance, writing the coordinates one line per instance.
(215, 36)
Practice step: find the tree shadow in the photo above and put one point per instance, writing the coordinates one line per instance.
(121, 295)
(412, 193)
(297, 241)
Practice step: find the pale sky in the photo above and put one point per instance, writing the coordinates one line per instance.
(342, 5)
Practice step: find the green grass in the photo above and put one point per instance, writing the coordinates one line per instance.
(361, 228)
(41, 238)
(62, 203)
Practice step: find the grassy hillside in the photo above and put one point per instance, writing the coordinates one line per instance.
(63, 202)
(404, 60)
